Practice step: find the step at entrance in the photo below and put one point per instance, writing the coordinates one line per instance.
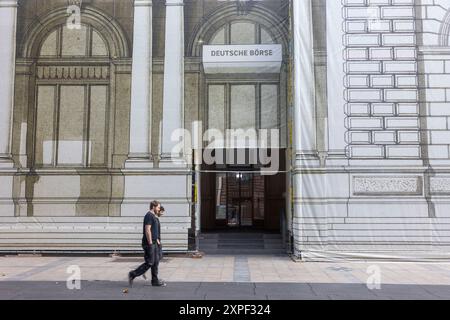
(241, 243)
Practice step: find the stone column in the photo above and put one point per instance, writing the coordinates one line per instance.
(305, 146)
(173, 106)
(8, 18)
(304, 99)
(141, 88)
(336, 76)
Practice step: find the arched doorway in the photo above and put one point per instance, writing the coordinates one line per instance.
(249, 95)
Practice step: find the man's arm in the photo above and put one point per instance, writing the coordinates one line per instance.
(148, 233)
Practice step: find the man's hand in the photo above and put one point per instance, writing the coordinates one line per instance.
(148, 232)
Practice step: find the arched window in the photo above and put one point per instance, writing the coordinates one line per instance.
(72, 99)
(444, 32)
(244, 101)
(82, 42)
(242, 32)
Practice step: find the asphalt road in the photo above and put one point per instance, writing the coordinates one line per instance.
(117, 290)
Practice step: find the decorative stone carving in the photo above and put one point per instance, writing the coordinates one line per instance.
(73, 72)
(440, 185)
(387, 185)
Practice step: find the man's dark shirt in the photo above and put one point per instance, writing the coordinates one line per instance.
(152, 220)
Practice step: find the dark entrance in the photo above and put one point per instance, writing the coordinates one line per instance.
(235, 198)
(239, 199)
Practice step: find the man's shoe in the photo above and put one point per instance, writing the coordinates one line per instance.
(130, 279)
(159, 283)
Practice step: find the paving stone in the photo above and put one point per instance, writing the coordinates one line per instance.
(222, 277)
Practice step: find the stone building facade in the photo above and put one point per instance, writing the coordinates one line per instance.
(359, 91)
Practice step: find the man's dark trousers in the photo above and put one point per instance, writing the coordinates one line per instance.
(152, 257)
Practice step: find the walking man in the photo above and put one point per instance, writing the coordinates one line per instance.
(159, 250)
(151, 240)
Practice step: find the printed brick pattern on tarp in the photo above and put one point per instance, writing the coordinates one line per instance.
(381, 79)
(434, 78)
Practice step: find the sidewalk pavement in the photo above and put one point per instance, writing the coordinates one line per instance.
(222, 277)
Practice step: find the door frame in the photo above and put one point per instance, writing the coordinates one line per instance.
(208, 200)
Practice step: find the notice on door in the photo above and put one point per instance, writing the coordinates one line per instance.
(260, 58)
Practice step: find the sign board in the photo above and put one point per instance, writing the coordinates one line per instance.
(259, 58)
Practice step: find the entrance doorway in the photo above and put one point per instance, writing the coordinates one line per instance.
(239, 199)
(234, 198)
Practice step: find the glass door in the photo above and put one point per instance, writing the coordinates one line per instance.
(246, 212)
(234, 200)
(239, 199)
(245, 199)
